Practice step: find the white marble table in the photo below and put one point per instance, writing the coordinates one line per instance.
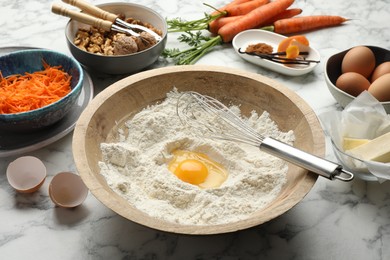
(334, 221)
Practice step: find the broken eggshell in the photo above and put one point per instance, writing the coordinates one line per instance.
(26, 174)
(67, 190)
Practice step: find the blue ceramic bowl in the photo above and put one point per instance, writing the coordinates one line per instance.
(20, 62)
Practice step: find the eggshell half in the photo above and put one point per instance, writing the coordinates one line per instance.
(67, 190)
(26, 174)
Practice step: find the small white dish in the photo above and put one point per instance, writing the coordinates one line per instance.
(254, 36)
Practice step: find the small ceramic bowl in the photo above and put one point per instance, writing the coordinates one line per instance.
(67, 190)
(20, 62)
(254, 36)
(121, 64)
(333, 71)
(26, 174)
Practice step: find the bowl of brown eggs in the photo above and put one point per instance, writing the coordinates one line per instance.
(136, 156)
(360, 68)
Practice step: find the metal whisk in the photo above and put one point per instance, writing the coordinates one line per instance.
(210, 118)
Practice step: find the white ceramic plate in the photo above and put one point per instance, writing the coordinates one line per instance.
(18, 143)
(245, 38)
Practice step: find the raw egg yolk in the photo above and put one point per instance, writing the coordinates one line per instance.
(191, 171)
(197, 169)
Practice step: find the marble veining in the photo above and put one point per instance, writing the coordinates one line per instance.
(334, 221)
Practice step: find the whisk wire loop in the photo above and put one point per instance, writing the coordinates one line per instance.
(212, 119)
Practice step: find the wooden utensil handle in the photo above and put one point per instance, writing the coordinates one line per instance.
(91, 9)
(81, 17)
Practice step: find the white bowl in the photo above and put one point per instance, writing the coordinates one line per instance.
(254, 36)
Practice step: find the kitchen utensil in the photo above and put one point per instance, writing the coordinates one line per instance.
(223, 123)
(105, 25)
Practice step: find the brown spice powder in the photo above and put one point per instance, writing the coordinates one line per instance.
(259, 48)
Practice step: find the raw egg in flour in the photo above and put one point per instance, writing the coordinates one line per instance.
(197, 169)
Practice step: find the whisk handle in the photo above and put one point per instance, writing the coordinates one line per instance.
(305, 160)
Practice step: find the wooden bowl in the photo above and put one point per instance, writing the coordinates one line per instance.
(254, 92)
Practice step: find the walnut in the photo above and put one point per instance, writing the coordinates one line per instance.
(82, 39)
(97, 38)
(125, 45)
(94, 48)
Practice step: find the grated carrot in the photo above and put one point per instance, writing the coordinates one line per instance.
(22, 93)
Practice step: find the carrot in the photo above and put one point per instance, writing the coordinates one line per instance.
(235, 8)
(226, 33)
(232, 3)
(216, 24)
(306, 23)
(21, 93)
(288, 13)
(244, 8)
(253, 19)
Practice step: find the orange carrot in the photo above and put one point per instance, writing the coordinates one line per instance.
(253, 19)
(234, 8)
(21, 93)
(216, 24)
(233, 12)
(244, 8)
(306, 23)
(232, 3)
(288, 13)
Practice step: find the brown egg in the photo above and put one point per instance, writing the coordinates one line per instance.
(380, 88)
(380, 70)
(353, 83)
(359, 59)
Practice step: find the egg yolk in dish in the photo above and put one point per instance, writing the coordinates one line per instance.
(197, 169)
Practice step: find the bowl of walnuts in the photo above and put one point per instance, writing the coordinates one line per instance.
(113, 52)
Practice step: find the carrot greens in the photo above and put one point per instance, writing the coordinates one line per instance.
(200, 45)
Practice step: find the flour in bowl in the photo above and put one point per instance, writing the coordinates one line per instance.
(135, 167)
